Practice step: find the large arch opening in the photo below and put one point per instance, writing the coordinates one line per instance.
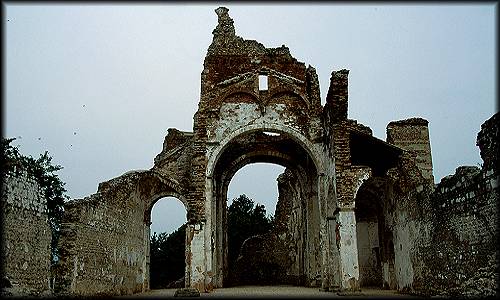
(292, 249)
(251, 205)
(167, 243)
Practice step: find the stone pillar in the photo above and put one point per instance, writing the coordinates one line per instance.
(209, 231)
(196, 257)
(347, 244)
(147, 256)
(323, 232)
(333, 257)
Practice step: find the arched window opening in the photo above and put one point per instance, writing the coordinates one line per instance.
(167, 244)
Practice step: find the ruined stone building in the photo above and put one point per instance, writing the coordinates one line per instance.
(353, 210)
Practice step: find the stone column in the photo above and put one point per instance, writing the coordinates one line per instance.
(323, 232)
(147, 256)
(196, 257)
(346, 235)
(209, 231)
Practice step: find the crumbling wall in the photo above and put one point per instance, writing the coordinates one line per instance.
(291, 226)
(463, 253)
(103, 242)
(26, 235)
(264, 260)
(408, 204)
(175, 157)
(105, 237)
(465, 231)
(342, 182)
(406, 212)
(277, 257)
(445, 237)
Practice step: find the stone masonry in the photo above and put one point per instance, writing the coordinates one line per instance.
(353, 210)
(26, 236)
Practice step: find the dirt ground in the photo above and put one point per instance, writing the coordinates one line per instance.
(277, 292)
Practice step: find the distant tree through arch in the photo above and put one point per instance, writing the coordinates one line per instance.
(167, 243)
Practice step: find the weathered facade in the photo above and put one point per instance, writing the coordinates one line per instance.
(352, 210)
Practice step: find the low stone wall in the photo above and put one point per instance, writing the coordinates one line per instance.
(26, 236)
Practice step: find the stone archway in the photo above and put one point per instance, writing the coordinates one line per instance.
(257, 146)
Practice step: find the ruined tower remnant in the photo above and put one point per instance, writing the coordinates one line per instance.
(338, 196)
(413, 135)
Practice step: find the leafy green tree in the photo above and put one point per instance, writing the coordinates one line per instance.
(44, 172)
(167, 257)
(244, 219)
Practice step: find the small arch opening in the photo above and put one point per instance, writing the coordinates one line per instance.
(167, 244)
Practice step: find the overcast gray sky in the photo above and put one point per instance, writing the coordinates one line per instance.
(99, 85)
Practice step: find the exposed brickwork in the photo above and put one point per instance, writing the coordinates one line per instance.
(26, 235)
(413, 135)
